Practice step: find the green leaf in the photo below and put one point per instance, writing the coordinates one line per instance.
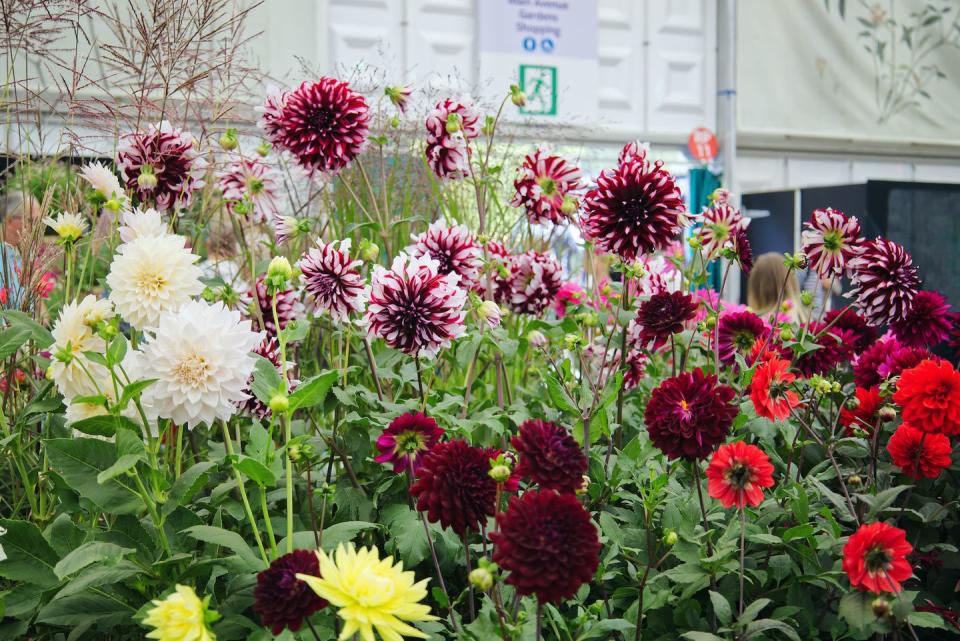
(80, 461)
(123, 464)
(12, 339)
(87, 554)
(343, 532)
(256, 471)
(762, 625)
(25, 555)
(558, 395)
(700, 636)
(313, 391)
(761, 537)
(104, 425)
(117, 349)
(927, 620)
(751, 611)
(882, 500)
(187, 485)
(225, 538)
(686, 573)
(857, 611)
(40, 334)
(133, 391)
(604, 629)
(94, 606)
(266, 380)
(97, 575)
(722, 607)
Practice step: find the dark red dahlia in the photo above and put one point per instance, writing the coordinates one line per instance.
(919, 454)
(955, 331)
(333, 279)
(903, 358)
(450, 126)
(738, 332)
(835, 345)
(866, 371)
(866, 415)
(405, 441)
(271, 120)
(631, 150)
(161, 166)
(927, 322)
(454, 248)
(324, 124)
(848, 319)
(268, 348)
(280, 599)
(743, 250)
(535, 279)
(453, 486)
(544, 184)
(549, 456)
(688, 415)
(831, 240)
(875, 558)
(663, 315)
(885, 281)
(547, 543)
(289, 307)
(635, 209)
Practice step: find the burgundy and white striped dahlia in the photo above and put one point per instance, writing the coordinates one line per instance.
(721, 222)
(884, 281)
(333, 279)
(286, 227)
(271, 113)
(289, 307)
(831, 240)
(324, 124)
(635, 209)
(413, 307)
(450, 125)
(543, 183)
(535, 279)
(499, 261)
(249, 187)
(160, 166)
(455, 249)
(633, 149)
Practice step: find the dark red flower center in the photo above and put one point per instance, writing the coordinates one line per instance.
(877, 559)
(321, 119)
(739, 475)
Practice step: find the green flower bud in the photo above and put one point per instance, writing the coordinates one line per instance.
(147, 179)
(499, 473)
(481, 578)
(536, 338)
(263, 149)
(786, 334)
(806, 298)
(887, 413)
(280, 269)
(453, 123)
(369, 252)
(228, 141)
(279, 403)
(517, 97)
(880, 607)
(670, 538)
(570, 205)
(293, 451)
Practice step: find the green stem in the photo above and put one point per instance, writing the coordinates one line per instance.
(266, 520)
(152, 508)
(228, 443)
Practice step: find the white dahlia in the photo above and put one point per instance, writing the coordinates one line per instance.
(200, 357)
(152, 275)
(69, 227)
(74, 334)
(103, 180)
(140, 223)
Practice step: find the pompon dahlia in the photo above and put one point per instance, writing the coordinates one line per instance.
(280, 599)
(161, 166)
(333, 279)
(663, 315)
(875, 558)
(102, 179)
(548, 543)
(549, 456)
(259, 304)
(450, 126)
(535, 279)
(544, 185)
(249, 187)
(720, 222)
(927, 322)
(919, 454)
(688, 415)
(413, 307)
(635, 209)
(406, 440)
(737, 474)
(885, 281)
(453, 486)
(770, 389)
(455, 249)
(269, 348)
(866, 415)
(181, 616)
(831, 240)
(323, 124)
(848, 319)
(929, 397)
(904, 358)
(737, 334)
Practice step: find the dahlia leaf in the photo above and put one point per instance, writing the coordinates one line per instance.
(313, 391)
(721, 607)
(856, 610)
(227, 539)
(700, 636)
(927, 620)
(12, 339)
(187, 485)
(758, 627)
(123, 464)
(751, 611)
(80, 460)
(93, 606)
(256, 472)
(40, 335)
(25, 555)
(604, 628)
(88, 554)
(266, 380)
(881, 500)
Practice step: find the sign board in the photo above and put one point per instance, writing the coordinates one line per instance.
(548, 48)
(702, 144)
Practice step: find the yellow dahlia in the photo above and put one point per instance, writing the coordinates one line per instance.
(370, 592)
(182, 616)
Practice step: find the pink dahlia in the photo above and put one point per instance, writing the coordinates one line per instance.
(249, 187)
(324, 124)
(415, 308)
(720, 222)
(884, 281)
(260, 306)
(534, 282)
(635, 209)
(831, 240)
(161, 166)
(455, 249)
(738, 332)
(926, 323)
(333, 279)
(405, 441)
(450, 126)
(544, 184)
(570, 293)
(886, 359)
(743, 250)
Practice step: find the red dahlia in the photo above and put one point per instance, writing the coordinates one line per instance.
(635, 209)
(454, 248)
(835, 345)
(663, 315)
(249, 188)
(919, 454)
(875, 558)
(770, 389)
(721, 221)
(738, 332)
(848, 319)
(405, 441)
(927, 322)
(280, 599)
(161, 166)
(289, 307)
(831, 240)
(548, 543)
(450, 126)
(333, 279)
(324, 124)
(737, 474)
(884, 281)
(414, 307)
(453, 486)
(543, 184)
(929, 397)
(741, 247)
(535, 279)
(549, 456)
(689, 415)
(866, 415)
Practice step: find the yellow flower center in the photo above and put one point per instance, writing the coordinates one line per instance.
(373, 590)
(151, 283)
(192, 370)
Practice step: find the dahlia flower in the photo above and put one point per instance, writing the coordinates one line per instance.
(743, 250)
(74, 333)
(271, 119)
(535, 279)
(161, 166)
(103, 180)
(69, 227)
(570, 293)
(847, 319)
(200, 358)
(926, 323)
(453, 486)
(875, 558)
(689, 414)
(770, 389)
(919, 454)
(884, 281)
(370, 593)
(259, 303)
(929, 397)
(635, 209)
(77, 411)
(413, 307)
(141, 222)
(496, 275)
(490, 313)
(323, 124)
(543, 184)
(831, 241)
(663, 315)
(548, 544)
(737, 334)
(250, 186)
(549, 456)
(286, 227)
(866, 415)
(399, 96)
(454, 248)
(406, 440)
(181, 616)
(720, 223)
(333, 279)
(152, 275)
(280, 599)
(737, 474)
(632, 150)
(450, 126)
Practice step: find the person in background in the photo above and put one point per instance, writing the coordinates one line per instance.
(16, 214)
(767, 277)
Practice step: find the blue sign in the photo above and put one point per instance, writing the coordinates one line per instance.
(529, 44)
(547, 45)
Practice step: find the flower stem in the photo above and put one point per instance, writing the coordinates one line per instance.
(373, 367)
(539, 620)
(266, 520)
(706, 529)
(228, 443)
(466, 550)
(743, 531)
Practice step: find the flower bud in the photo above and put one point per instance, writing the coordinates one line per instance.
(536, 338)
(711, 322)
(517, 96)
(481, 578)
(453, 123)
(855, 480)
(570, 206)
(279, 403)
(670, 538)
(114, 205)
(572, 341)
(280, 269)
(588, 319)
(488, 126)
(786, 334)
(806, 298)
(369, 252)
(880, 607)
(228, 141)
(694, 242)
(394, 122)
(147, 179)
(887, 413)
(853, 402)
(489, 311)
(399, 96)
(263, 149)
(293, 451)
(584, 485)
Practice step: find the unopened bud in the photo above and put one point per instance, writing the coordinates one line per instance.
(489, 311)
(114, 205)
(228, 141)
(887, 413)
(394, 122)
(517, 96)
(280, 269)
(570, 205)
(453, 123)
(147, 179)
(481, 578)
(499, 473)
(263, 149)
(670, 538)
(279, 403)
(786, 334)
(880, 607)
(369, 252)
(806, 298)
(694, 242)
(536, 338)
(293, 451)
(855, 479)
(572, 341)
(711, 322)
(584, 485)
